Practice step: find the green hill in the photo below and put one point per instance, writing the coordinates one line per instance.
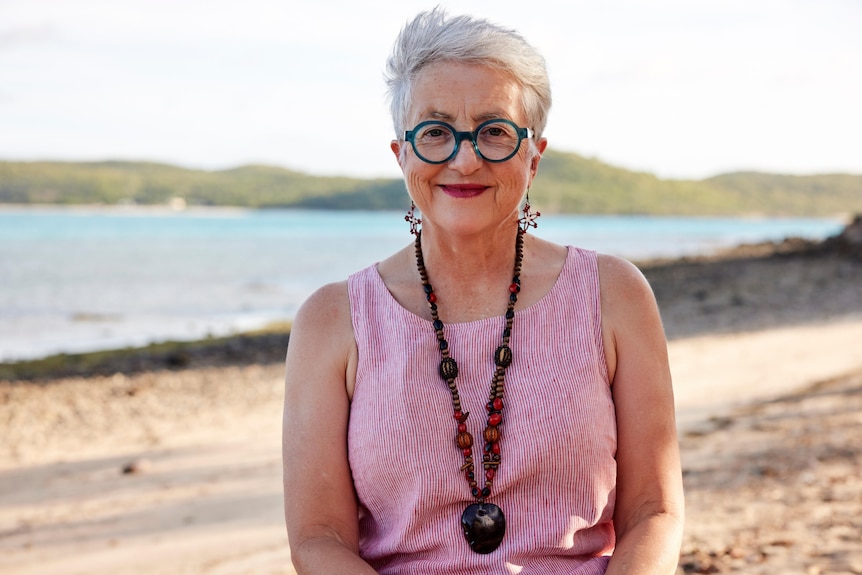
(816, 195)
(148, 183)
(567, 183)
(570, 183)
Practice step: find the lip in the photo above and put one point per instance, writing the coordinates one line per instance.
(463, 190)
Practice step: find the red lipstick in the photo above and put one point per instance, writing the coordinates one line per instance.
(462, 190)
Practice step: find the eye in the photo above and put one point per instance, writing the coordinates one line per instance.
(496, 131)
(435, 132)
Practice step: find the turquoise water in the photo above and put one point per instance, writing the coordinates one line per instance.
(76, 279)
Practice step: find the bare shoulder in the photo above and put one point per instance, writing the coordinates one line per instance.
(621, 280)
(630, 318)
(327, 308)
(321, 340)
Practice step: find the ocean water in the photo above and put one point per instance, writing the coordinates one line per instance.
(76, 280)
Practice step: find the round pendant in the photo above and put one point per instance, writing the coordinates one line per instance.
(484, 526)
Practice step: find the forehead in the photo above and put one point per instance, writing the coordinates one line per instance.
(464, 94)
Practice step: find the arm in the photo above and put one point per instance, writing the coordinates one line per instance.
(648, 517)
(319, 500)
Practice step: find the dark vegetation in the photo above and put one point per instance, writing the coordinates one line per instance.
(264, 347)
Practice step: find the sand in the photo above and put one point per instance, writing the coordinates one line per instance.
(178, 471)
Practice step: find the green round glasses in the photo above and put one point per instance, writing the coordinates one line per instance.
(437, 142)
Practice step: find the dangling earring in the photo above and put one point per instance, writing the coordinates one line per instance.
(412, 219)
(528, 220)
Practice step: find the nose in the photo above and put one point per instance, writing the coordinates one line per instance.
(467, 160)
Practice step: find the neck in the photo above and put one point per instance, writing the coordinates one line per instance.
(469, 258)
(470, 275)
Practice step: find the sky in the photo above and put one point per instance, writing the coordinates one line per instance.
(678, 88)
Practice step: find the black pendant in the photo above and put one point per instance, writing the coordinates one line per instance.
(484, 526)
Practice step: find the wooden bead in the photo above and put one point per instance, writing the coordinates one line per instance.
(464, 440)
(503, 356)
(492, 434)
(448, 369)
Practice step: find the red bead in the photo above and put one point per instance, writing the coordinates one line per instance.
(495, 448)
(495, 419)
(467, 452)
(458, 415)
(514, 288)
(462, 427)
(498, 404)
(432, 297)
(489, 474)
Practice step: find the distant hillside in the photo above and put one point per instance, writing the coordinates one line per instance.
(819, 194)
(571, 183)
(148, 183)
(567, 183)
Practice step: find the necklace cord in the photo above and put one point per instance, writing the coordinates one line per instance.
(449, 372)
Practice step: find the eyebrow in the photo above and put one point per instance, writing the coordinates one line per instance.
(437, 115)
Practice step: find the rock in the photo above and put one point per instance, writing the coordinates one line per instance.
(135, 467)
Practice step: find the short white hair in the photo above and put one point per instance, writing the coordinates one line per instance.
(433, 37)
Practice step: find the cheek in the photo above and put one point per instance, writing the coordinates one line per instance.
(416, 179)
(518, 178)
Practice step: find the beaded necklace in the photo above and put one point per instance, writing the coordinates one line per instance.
(483, 523)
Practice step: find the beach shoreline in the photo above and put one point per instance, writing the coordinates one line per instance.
(82, 281)
(176, 468)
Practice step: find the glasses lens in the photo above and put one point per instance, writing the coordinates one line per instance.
(497, 140)
(434, 142)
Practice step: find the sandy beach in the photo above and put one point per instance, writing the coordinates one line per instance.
(178, 471)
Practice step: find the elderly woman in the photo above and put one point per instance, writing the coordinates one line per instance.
(482, 401)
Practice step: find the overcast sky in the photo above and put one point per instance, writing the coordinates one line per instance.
(680, 88)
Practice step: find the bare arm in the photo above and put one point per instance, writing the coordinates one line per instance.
(319, 500)
(648, 519)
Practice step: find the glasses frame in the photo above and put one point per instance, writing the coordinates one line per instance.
(523, 133)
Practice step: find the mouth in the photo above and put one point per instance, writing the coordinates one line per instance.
(462, 190)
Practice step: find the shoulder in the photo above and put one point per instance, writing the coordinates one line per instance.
(630, 318)
(325, 305)
(322, 331)
(621, 280)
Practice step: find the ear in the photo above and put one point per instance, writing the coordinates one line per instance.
(395, 146)
(541, 145)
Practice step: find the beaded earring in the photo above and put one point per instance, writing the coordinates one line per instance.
(412, 219)
(528, 220)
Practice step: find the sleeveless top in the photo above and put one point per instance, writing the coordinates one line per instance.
(557, 475)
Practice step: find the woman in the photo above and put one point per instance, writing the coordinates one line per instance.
(482, 401)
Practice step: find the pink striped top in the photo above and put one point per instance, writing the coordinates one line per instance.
(556, 481)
